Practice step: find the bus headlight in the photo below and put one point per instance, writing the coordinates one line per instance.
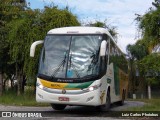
(95, 87)
(91, 88)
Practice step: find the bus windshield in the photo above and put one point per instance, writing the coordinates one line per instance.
(70, 56)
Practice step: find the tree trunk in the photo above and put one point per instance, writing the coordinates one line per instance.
(149, 91)
(132, 77)
(4, 85)
(1, 83)
(23, 83)
(19, 82)
(18, 85)
(12, 84)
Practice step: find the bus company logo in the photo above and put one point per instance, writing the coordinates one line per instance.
(6, 114)
(68, 81)
(63, 91)
(55, 85)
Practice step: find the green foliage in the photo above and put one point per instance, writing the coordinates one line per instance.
(98, 24)
(149, 28)
(137, 51)
(112, 29)
(55, 18)
(150, 105)
(150, 67)
(22, 32)
(10, 97)
(9, 10)
(156, 3)
(20, 27)
(150, 62)
(149, 24)
(31, 27)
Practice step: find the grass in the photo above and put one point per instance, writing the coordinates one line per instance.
(151, 105)
(27, 99)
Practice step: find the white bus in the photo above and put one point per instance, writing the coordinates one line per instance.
(80, 66)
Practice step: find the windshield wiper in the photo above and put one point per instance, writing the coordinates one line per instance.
(73, 66)
(60, 65)
(94, 57)
(94, 60)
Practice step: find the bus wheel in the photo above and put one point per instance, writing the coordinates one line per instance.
(58, 106)
(106, 106)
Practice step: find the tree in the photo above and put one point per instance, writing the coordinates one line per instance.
(49, 18)
(135, 53)
(149, 25)
(31, 26)
(149, 66)
(8, 11)
(112, 29)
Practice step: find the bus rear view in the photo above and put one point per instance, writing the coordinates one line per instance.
(73, 67)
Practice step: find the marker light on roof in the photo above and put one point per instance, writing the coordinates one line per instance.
(72, 32)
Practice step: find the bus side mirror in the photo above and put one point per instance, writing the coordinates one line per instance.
(103, 48)
(33, 47)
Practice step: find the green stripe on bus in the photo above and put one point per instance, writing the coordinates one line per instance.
(79, 85)
(116, 80)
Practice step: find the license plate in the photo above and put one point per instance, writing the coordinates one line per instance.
(63, 99)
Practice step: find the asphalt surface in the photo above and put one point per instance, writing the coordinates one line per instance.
(114, 107)
(70, 113)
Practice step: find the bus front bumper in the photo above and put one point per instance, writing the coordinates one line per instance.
(70, 97)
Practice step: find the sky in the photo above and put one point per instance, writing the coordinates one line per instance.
(119, 13)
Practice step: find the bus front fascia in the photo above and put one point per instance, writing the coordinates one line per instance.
(33, 47)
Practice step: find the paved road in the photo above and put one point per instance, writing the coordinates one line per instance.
(72, 112)
(114, 107)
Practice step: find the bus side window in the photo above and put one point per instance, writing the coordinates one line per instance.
(111, 54)
(107, 53)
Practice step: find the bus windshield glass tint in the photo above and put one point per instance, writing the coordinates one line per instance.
(74, 56)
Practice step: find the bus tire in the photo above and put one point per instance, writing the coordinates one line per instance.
(58, 106)
(106, 106)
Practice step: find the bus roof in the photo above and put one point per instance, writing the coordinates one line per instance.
(79, 30)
